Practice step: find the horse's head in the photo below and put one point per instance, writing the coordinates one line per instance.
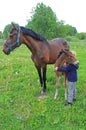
(68, 56)
(13, 40)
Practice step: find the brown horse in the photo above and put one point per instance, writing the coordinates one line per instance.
(43, 52)
(64, 56)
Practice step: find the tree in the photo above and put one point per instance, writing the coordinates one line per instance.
(7, 30)
(65, 30)
(43, 21)
(81, 35)
(1, 35)
(71, 31)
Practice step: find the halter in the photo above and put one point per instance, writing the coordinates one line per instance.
(16, 43)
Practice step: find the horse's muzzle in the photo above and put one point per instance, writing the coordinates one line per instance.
(7, 52)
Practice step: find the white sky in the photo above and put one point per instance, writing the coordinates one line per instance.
(73, 12)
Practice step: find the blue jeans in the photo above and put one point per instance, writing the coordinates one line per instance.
(71, 91)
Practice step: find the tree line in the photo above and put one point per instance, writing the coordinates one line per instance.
(44, 21)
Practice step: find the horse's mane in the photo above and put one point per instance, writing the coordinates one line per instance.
(61, 52)
(33, 34)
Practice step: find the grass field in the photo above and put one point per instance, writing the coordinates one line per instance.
(20, 107)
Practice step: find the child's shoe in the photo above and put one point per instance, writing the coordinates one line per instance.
(68, 104)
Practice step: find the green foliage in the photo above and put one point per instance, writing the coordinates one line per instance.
(71, 31)
(1, 35)
(1, 42)
(43, 21)
(81, 35)
(72, 39)
(7, 30)
(65, 30)
(20, 107)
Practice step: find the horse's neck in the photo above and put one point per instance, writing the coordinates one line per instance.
(31, 43)
(60, 62)
(34, 45)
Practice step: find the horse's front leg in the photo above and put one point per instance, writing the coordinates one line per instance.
(40, 75)
(57, 84)
(38, 68)
(44, 79)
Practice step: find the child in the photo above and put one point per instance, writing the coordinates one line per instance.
(71, 71)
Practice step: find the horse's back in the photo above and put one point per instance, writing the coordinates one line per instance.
(59, 42)
(55, 45)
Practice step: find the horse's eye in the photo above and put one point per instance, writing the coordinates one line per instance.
(71, 57)
(11, 36)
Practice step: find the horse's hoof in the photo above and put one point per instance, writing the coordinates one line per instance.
(43, 93)
(42, 96)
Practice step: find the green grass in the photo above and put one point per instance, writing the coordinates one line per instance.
(20, 107)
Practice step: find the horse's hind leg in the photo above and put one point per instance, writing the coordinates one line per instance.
(57, 84)
(44, 79)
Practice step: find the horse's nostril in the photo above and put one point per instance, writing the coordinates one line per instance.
(7, 52)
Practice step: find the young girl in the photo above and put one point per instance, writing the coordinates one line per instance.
(71, 71)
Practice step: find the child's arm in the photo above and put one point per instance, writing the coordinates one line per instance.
(63, 69)
(56, 68)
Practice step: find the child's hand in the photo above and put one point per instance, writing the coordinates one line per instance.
(56, 68)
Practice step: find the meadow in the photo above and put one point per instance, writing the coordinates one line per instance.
(20, 107)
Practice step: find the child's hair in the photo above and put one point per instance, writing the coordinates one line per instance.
(74, 53)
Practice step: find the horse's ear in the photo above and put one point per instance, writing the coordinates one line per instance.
(14, 26)
(65, 51)
(59, 53)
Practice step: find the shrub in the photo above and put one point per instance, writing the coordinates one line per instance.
(81, 35)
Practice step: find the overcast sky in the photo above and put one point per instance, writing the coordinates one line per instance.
(73, 12)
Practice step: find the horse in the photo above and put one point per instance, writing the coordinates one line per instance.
(64, 56)
(43, 51)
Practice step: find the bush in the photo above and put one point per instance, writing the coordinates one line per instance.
(72, 38)
(81, 35)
